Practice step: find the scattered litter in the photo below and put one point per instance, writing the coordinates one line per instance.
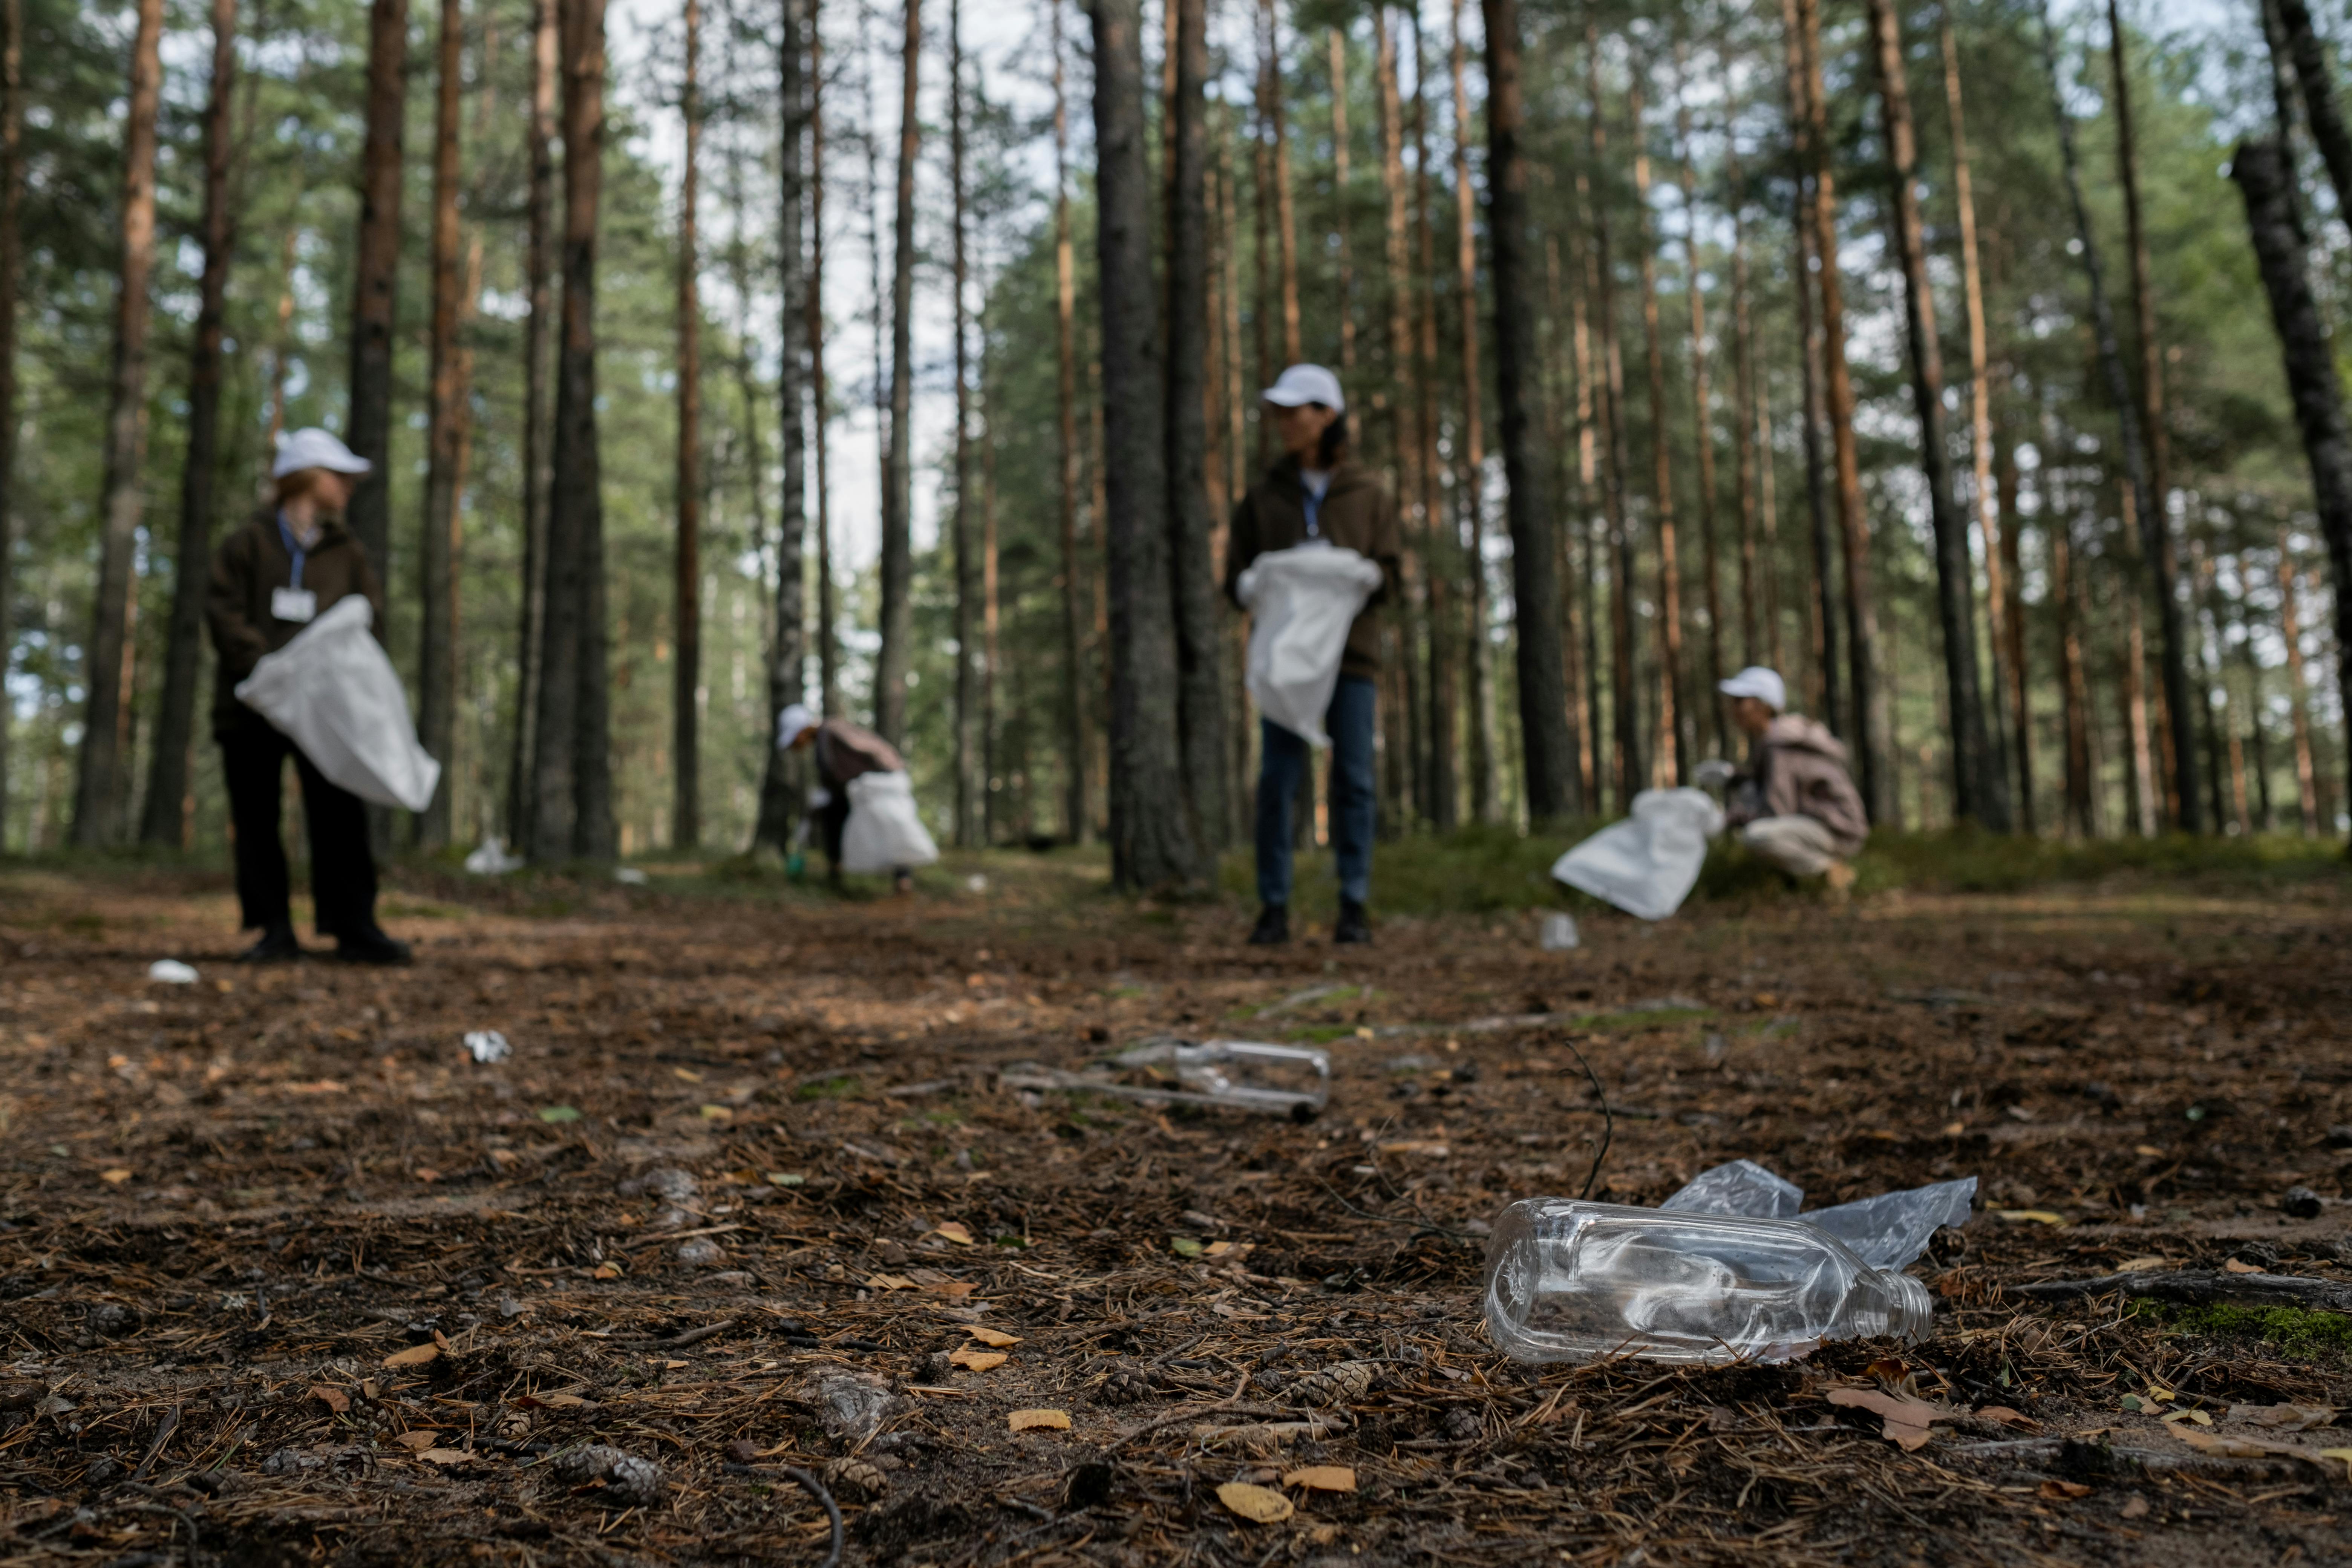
(1233, 1075)
(172, 972)
(630, 875)
(1888, 1231)
(488, 1046)
(632, 1482)
(1741, 1187)
(1302, 601)
(884, 832)
(1646, 864)
(491, 859)
(1558, 933)
(976, 883)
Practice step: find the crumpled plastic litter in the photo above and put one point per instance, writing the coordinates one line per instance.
(1233, 1075)
(488, 1046)
(172, 972)
(1646, 864)
(1887, 1231)
(631, 876)
(1558, 933)
(491, 859)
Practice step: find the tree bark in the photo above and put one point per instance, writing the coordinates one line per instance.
(2074, 679)
(828, 645)
(1979, 790)
(1812, 346)
(1674, 759)
(537, 472)
(165, 819)
(1550, 747)
(991, 764)
(970, 786)
(573, 817)
(897, 566)
(1152, 845)
(375, 266)
(1399, 395)
(1342, 250)
(2265, 176)
(1600, 284)
(1444, 802)
(685, 601)
(1200, 669)
(437, 662)
(1752, 453)
(12, 194)
(2014, 661)
(1589, 407)
(1702, 418)
(100, 802)
(800, 326)
(1285, 210)
(1076, 816)
(2313, 75)
(1486, 795)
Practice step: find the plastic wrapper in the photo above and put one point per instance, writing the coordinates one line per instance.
(883, 832)
(333, 693)
(1646, 864)
(1302, 601)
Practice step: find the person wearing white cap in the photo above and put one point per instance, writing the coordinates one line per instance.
(1793, 805)
(1315, 493)
(269, 580)
(843, 752)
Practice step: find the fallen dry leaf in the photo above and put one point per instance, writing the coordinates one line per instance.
(115, 1176)
(2284, 1417)
(2235, 1265)
(954, 1289)
(1038, 1420)
(1322, 1479)
(954, 1232)
(888, 1282)
(2031, 1217)
(561, 1401)
(1259, 1505)
(686, 1074)
(414, 1355)
(2008, 1417)
(978, 1360)
(444, 1456)
(2063, 1491)
(607, 1270)
(2134, 1508)
(2140, 1265)
(996, 1337)
(1904, 1419)
(418, 1440)
(335, 1399)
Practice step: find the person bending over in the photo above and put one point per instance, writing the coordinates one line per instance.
(843, 751)
(1793, 805)
(1316, 493)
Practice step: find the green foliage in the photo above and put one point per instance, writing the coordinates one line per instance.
(2299, 1331)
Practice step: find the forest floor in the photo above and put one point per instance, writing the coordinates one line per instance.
(286, 1276)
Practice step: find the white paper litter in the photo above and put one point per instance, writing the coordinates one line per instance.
(172, 972)
(488, 1046)
(491, 859)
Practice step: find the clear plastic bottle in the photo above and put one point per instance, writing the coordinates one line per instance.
(1569, 1281)
(1247, 1075)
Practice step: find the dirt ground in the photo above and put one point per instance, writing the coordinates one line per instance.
(286, 1276)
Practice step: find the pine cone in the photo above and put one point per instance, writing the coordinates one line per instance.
(1343, 1382)
(1462, 1424)
(856, 1477)
(1125, 1387)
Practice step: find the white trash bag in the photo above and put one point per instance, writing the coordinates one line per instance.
(334, 694)
(1301, 603)
(1646, 865)
(884, 831)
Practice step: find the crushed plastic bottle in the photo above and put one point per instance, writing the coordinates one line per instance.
(172, 972)
(1571, 1281)
(488, 1046)
(1888, 1231)
(1558, 933)
(1249, 1075)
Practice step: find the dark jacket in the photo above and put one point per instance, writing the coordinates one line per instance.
(846, 750)
(1797, 768)
(1357, 514)
(251, 563)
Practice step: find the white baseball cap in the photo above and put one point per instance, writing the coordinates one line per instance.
(1303, 384)
(791, 723)
(316, 448)
(1765, 684)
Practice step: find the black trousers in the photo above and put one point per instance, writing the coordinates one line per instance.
(832, 818)
(342, 868)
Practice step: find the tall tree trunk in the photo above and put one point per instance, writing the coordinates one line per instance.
(2073, 682)
(1486, 795)
(99, 805)
(2308, 57)
(990, 762)
(1633, 777)
(1199, 671)
(1550, 747)
(1152, 845)
(165, 818)
(2265, 176)
(538, 473)
(1343, 252)
(2298, 690)
(1813, 346)
(2014, 661)
(436, 661)
(1752, 452)
(1575, 596)
(376, 265)
(1444, 805)
(1702, 417)
(1589, 399)
(800, 328)
(1979, 791)
(1870, 731)
(970, 785)
(1285, 212)
(1398, 396)
(897, 464)
(686, 612)
(574, 814)
(820, 395)
(12, 193)
(1075, 809)
(1674, 759)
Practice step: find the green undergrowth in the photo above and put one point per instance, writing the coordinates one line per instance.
(2300, 1333)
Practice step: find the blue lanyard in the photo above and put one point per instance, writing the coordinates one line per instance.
(1314, 504)
(292, 548)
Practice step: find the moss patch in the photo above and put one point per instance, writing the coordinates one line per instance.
(2298, 1330)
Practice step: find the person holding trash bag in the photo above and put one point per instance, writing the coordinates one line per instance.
(1315, 496)
(1793, 805)
(270, 579)
(843, 752)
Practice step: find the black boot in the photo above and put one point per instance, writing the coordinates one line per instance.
(278, 945)
(1273, 928)
(1354, 924)
(373, 946)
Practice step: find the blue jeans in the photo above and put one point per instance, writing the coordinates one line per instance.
(1284, 761)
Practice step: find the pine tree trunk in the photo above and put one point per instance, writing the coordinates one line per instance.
(1444, 804)
(165, 818)
(800, 326)
(1199, 678)
(1342, 252)
(1486, 795)
(1702, 422)
(1285, 210)
(1979, 792)
(2265, 176)
(969, 783)
(1549, 750)
(2021, 707)
(1076, 816)
(1752, 453)
(100, 802)
(1398, 396)
(2255, 701)
(1672, 764)
(897, 566)
(1596, 526)
(1632, 776)
(1574, 600)
(1870, 729)
(685, 601)
(376, 265)
(538, 473)
(2074, 684)
(1152, 847)
(2309, 57)
(12, 194)
(828, 646)
(436, 663)
(990, 762)
(1813, 412)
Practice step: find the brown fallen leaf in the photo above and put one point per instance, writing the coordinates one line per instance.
(996, 1337)
(1259, 1505)
(954, 1289)
(2237, 1266)
(446, 1457)
(115, 1176)
(561, 1401)
(1322, 1479)
(977, 1361)
(1904, 1419)
(888, 1282)
(2008, 1417)
(2063, 1491)
(607, 1270)
(2236, 1446)
(2284, 1417)
(335, 1399)
(414, 1355)
(955, 1233)
(2134, 1507)
(419, 1440)
(1038, 1420)
(2142, 1265)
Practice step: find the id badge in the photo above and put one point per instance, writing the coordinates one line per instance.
(297, 604)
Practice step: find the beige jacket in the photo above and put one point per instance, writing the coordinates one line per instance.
(846, 750)
(1797, 768)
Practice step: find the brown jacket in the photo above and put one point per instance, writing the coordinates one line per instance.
(846, 750)
(1797, 768)
(245, 568)
(1357, 514)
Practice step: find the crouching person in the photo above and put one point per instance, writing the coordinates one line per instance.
(843, 751)
(1793, 805)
